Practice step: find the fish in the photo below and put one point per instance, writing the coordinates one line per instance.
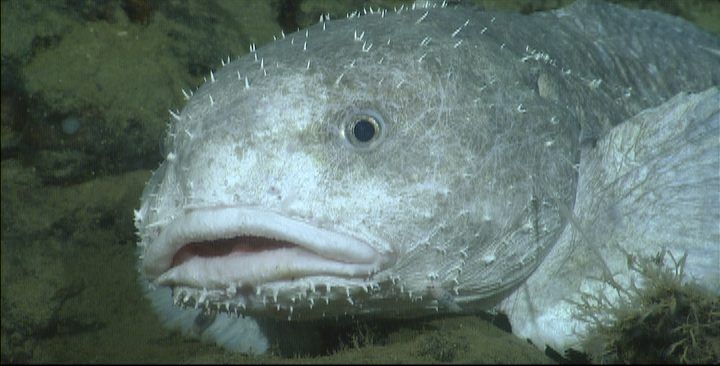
(434, 159)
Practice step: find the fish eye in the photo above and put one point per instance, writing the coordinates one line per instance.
(364, 130)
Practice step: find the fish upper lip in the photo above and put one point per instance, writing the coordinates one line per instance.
(328, 249)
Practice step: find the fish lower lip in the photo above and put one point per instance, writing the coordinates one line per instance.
(215, 247)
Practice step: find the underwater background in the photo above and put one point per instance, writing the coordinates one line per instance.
(86, 88)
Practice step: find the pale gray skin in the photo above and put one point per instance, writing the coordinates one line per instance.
(658, 175)
(485, 118)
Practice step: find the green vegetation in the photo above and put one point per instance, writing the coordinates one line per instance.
(665, 320)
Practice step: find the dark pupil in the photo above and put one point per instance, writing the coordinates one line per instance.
(363, 130)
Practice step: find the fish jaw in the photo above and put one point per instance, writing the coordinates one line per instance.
(235, 246)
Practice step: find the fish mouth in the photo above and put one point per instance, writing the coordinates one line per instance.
(237, 246)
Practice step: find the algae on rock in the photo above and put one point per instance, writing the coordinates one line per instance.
(664, 319)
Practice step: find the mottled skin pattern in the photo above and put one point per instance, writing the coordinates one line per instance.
(485, 117)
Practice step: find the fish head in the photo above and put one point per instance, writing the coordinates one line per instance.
(337, 171)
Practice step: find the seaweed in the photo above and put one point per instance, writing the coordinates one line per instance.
(665, 320)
